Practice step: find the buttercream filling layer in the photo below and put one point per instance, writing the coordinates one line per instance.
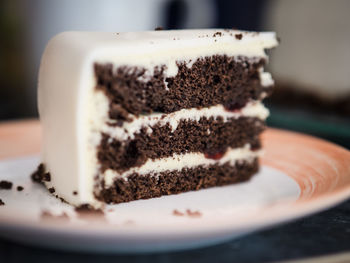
(176, 181)
(180, 161)
(253, 109)
(206, 136)
(104, 124)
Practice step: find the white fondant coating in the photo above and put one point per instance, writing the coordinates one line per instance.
(66, 89)
(187, 160)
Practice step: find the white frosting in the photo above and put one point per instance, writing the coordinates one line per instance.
(187, 160)
(128, 129)
(67, 82)
(266, 79)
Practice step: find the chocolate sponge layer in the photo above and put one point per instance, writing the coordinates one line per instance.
(174, 182)
(210, 136)
(218, 79)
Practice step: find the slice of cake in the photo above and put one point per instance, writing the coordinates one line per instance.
(129, 116)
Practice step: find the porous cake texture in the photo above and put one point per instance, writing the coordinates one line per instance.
(129, 116)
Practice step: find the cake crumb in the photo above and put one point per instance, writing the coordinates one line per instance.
(52, 190)
(159, 28)
(217, 34)
(238, 36)
(20, 188)
(193, 213)
(5, 185)
(87, 210)
(61, 199)
(1, 202)
(40, 176)
(75, 193)
(47, 215)
(177, 213)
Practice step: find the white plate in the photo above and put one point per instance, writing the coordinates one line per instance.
(144, 225)
(300, 175)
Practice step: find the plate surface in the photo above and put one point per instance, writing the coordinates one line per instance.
(299, 175)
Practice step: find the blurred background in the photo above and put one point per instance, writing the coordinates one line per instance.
(311, 66)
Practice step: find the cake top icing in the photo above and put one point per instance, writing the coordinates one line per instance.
(151, 40)
(151, 48)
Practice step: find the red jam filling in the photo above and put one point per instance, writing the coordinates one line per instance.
(214, 156)
(235, 107)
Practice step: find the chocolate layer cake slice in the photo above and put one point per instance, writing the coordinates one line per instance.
(129, 116)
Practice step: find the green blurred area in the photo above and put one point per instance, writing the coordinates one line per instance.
(329, 127)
